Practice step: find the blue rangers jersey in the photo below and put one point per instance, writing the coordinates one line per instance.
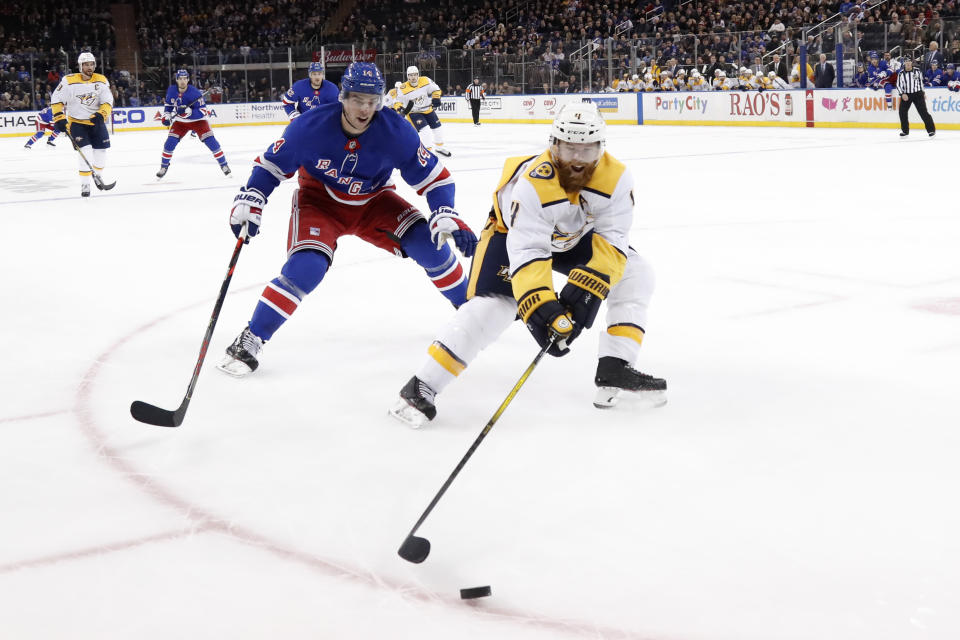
(933, 78)
(176, 99)
(302, 97)
(46, 115)
(353, 170)
(878, 74)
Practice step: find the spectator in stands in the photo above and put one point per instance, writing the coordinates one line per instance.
(860, 78)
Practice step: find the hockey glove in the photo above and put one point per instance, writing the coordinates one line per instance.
(446, 223)
(166, 119)
(582, 295)
(549, 319)
(97, 119)
(247, 207)
(435, 103)
(294, 114)
(60, 125)
(183, 111)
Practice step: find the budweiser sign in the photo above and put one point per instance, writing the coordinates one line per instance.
(343, 57)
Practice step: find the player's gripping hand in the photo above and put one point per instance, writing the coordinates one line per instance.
(582, 295)
(96, 119)
(60, 125)
(247, 208)
(436, 103)
(548, 320)
(183, 111)
(166, 119)
(446, 223)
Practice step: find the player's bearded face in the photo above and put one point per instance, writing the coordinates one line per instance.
(87, 68)
(575, 162)
(182, 83)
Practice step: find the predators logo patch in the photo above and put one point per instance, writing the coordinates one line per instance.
(544, 171)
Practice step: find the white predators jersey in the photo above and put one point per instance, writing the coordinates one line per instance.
(83, 98)
(542, 218)
(421, 95)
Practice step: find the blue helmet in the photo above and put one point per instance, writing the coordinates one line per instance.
(182, 73)
(315, 66)
(873, 54)
(362, 77)
(951, 66)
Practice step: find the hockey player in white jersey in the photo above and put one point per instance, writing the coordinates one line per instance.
(420, 96)
(82, 103)
(568, 209)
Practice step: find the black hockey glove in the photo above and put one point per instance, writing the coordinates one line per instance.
(60, 125)
(97, 119)
(548, 319)
(582, 295)
(436, 102)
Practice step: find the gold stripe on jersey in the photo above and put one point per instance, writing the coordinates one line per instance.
(443, 356)
(627, 330)
(489, 229)
(606, 259)
(75, 78)
(510, 169)
(533, 285)
(606, 176)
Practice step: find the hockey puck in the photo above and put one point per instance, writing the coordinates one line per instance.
(475, 592)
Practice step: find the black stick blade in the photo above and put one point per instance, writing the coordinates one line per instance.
(149, 414)
(415, 549)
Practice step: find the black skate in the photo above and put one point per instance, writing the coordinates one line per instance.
(28, 145)
(85, 190)
(162, 172)
(415, 406)
(615, 375)
(442, 151)
(242, 355)
(226, 169)
(51, 143)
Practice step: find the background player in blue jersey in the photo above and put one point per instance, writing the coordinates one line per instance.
(344, 154)
(310, 92)
(44, 124)
(183, 106)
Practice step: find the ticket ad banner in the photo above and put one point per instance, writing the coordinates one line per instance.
(724, 107)
(865, 107)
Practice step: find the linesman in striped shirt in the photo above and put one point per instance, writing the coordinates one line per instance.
(910, 85)
(475, 94)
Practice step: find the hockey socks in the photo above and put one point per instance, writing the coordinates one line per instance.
(168, 147)
(214, 147)
(300, 275)
(441, 265)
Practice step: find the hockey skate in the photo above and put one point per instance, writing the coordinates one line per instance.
(162, 172)
(85, 191)
(51, 143)
(242, 355)
(615, 375)
(442, 152)
(415, 406)
(226, 169)
(28, 145)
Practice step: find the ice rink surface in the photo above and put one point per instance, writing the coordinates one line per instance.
(801, 483)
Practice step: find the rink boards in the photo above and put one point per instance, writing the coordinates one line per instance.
(788, 108)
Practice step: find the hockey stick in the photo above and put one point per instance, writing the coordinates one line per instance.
(97, 180)
(148, 413)
(415, 549)
(174, 115)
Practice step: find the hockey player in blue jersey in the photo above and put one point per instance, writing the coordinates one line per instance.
(951, 80)
(310, 92)
(933, 76)
(882, 75)
(344, 154)
(44, 124)
(860, 77)
(183, 107)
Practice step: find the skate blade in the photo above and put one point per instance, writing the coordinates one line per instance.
(234, 367)
(608, 397)
(406, 414)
